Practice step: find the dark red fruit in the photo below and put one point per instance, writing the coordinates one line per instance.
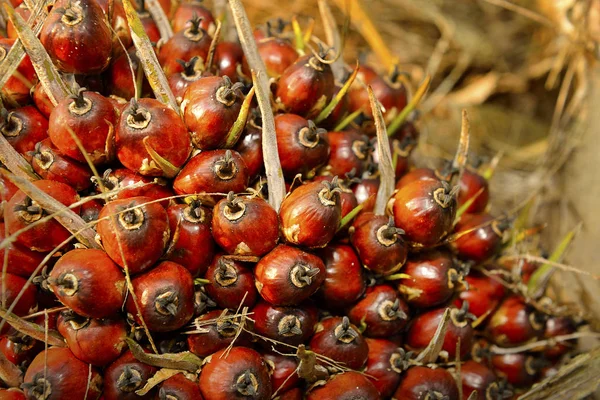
(470, 184)
(189, 9)
(519, 369)
(89, 116)
(82, 276)
(514, 323)
(341, 341)
(382, 311)
(12, 394)
(423, 327)
(388, 90)
(302, 147)
(21, 261)
(291, 325)
(121, 82)
(311, 214)
(433, 279)
(378, 243)
(23, 128)
(350, 151)
(16, 89)
(287, 275)
(345, 386)
(94, 341)
(344, 280)
(21, 211)
(77, 37)
(230, 283)
(164, 296)
(425, 210)
(228, 58)
(556, 326)
(420, 383)
(128, 225)
(214, 331)
(119, 180)
(385, 363)
(151, 139)
(235, 225)
(480, 236)
(277, 54)
(20, 349)
(250, 148)
(484, 294)
(241, 373)
(50, 164)
(305, 87)
(57, 374)
(10, 286)
(283, 372)
(193, 41)
(179, 387)
(478, 377)
(215, 171)
(191, 243)
(126, 375)
(192, 71)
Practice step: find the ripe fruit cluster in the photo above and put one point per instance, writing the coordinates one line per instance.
(327, 297)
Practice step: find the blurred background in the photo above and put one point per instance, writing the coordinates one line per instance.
(526, 71)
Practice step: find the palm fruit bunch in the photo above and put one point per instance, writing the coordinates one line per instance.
(188, 217)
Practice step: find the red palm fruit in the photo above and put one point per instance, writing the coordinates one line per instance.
(302, 147)
(433, 279)
(23, 128)
(192, 71)
(311, 214)
(150, 26)
(117, 19)
(94, 341)
(121, 82)
(21, 211)
(179, 387)
(287, 275)
(41, 100)
(50, 164)
(344, 281)
(126, 375)
(479, 377)
(20, 349)
(56, 374)
(122, 178)
(341, 341)
(228, 58)
(389, 91)
(347, 198)
(10, 287)
(214, 171)
(92, 118)
(350, 151)
(165, 297)
(283, 372)
(230, 283)
(193, 41)
(382, 311)
(480, 236)
(514, 323)
(519, 369)
(556, 326)
(215, 330)
(305, 87)
(242, 373)
(425, 210)
(82, 276)
(345, 386)
(249, 146)
(419, 383)
(277, 54)
(12, 394)
(21, 260)
(470, 184)
(191, 243)
(235, 225)
(128, 225)
(417, 174)
(192, 9)
(423, 327)
(484, 294)
(385, 363)
(210, 107)
(379, 243)
(366, 192)
(291, 325)
(77, 37)
(17, 88)
(148, 124)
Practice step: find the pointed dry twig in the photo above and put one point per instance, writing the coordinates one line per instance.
(333, 37)
(431, 352)
(186, 360)
(160, 18)
(386, 168)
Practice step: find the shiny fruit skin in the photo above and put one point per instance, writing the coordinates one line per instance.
(120, 82)
(243, 373)
(277, 54)
(228, 56)
(418, 381)
(484, 239)
(478, 377)
(230, 282)
(249, 146)
(19, 214)
(291, 325)
(126, 375)
(287, 275)
(484, 294)
(519, 369)
(349, 151)
(21, 260)
(143, 226)
(23, 128)
(345, 386)
(186, 11)
(283, 376)
(217, 330)
(119, 180)
(183, 45)
(514, 323)
(341, 341)
(82, 276)
(470, 184)
(382, 310)
(92, 118)
(165, 297)
(344, 277)
(77, 37)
